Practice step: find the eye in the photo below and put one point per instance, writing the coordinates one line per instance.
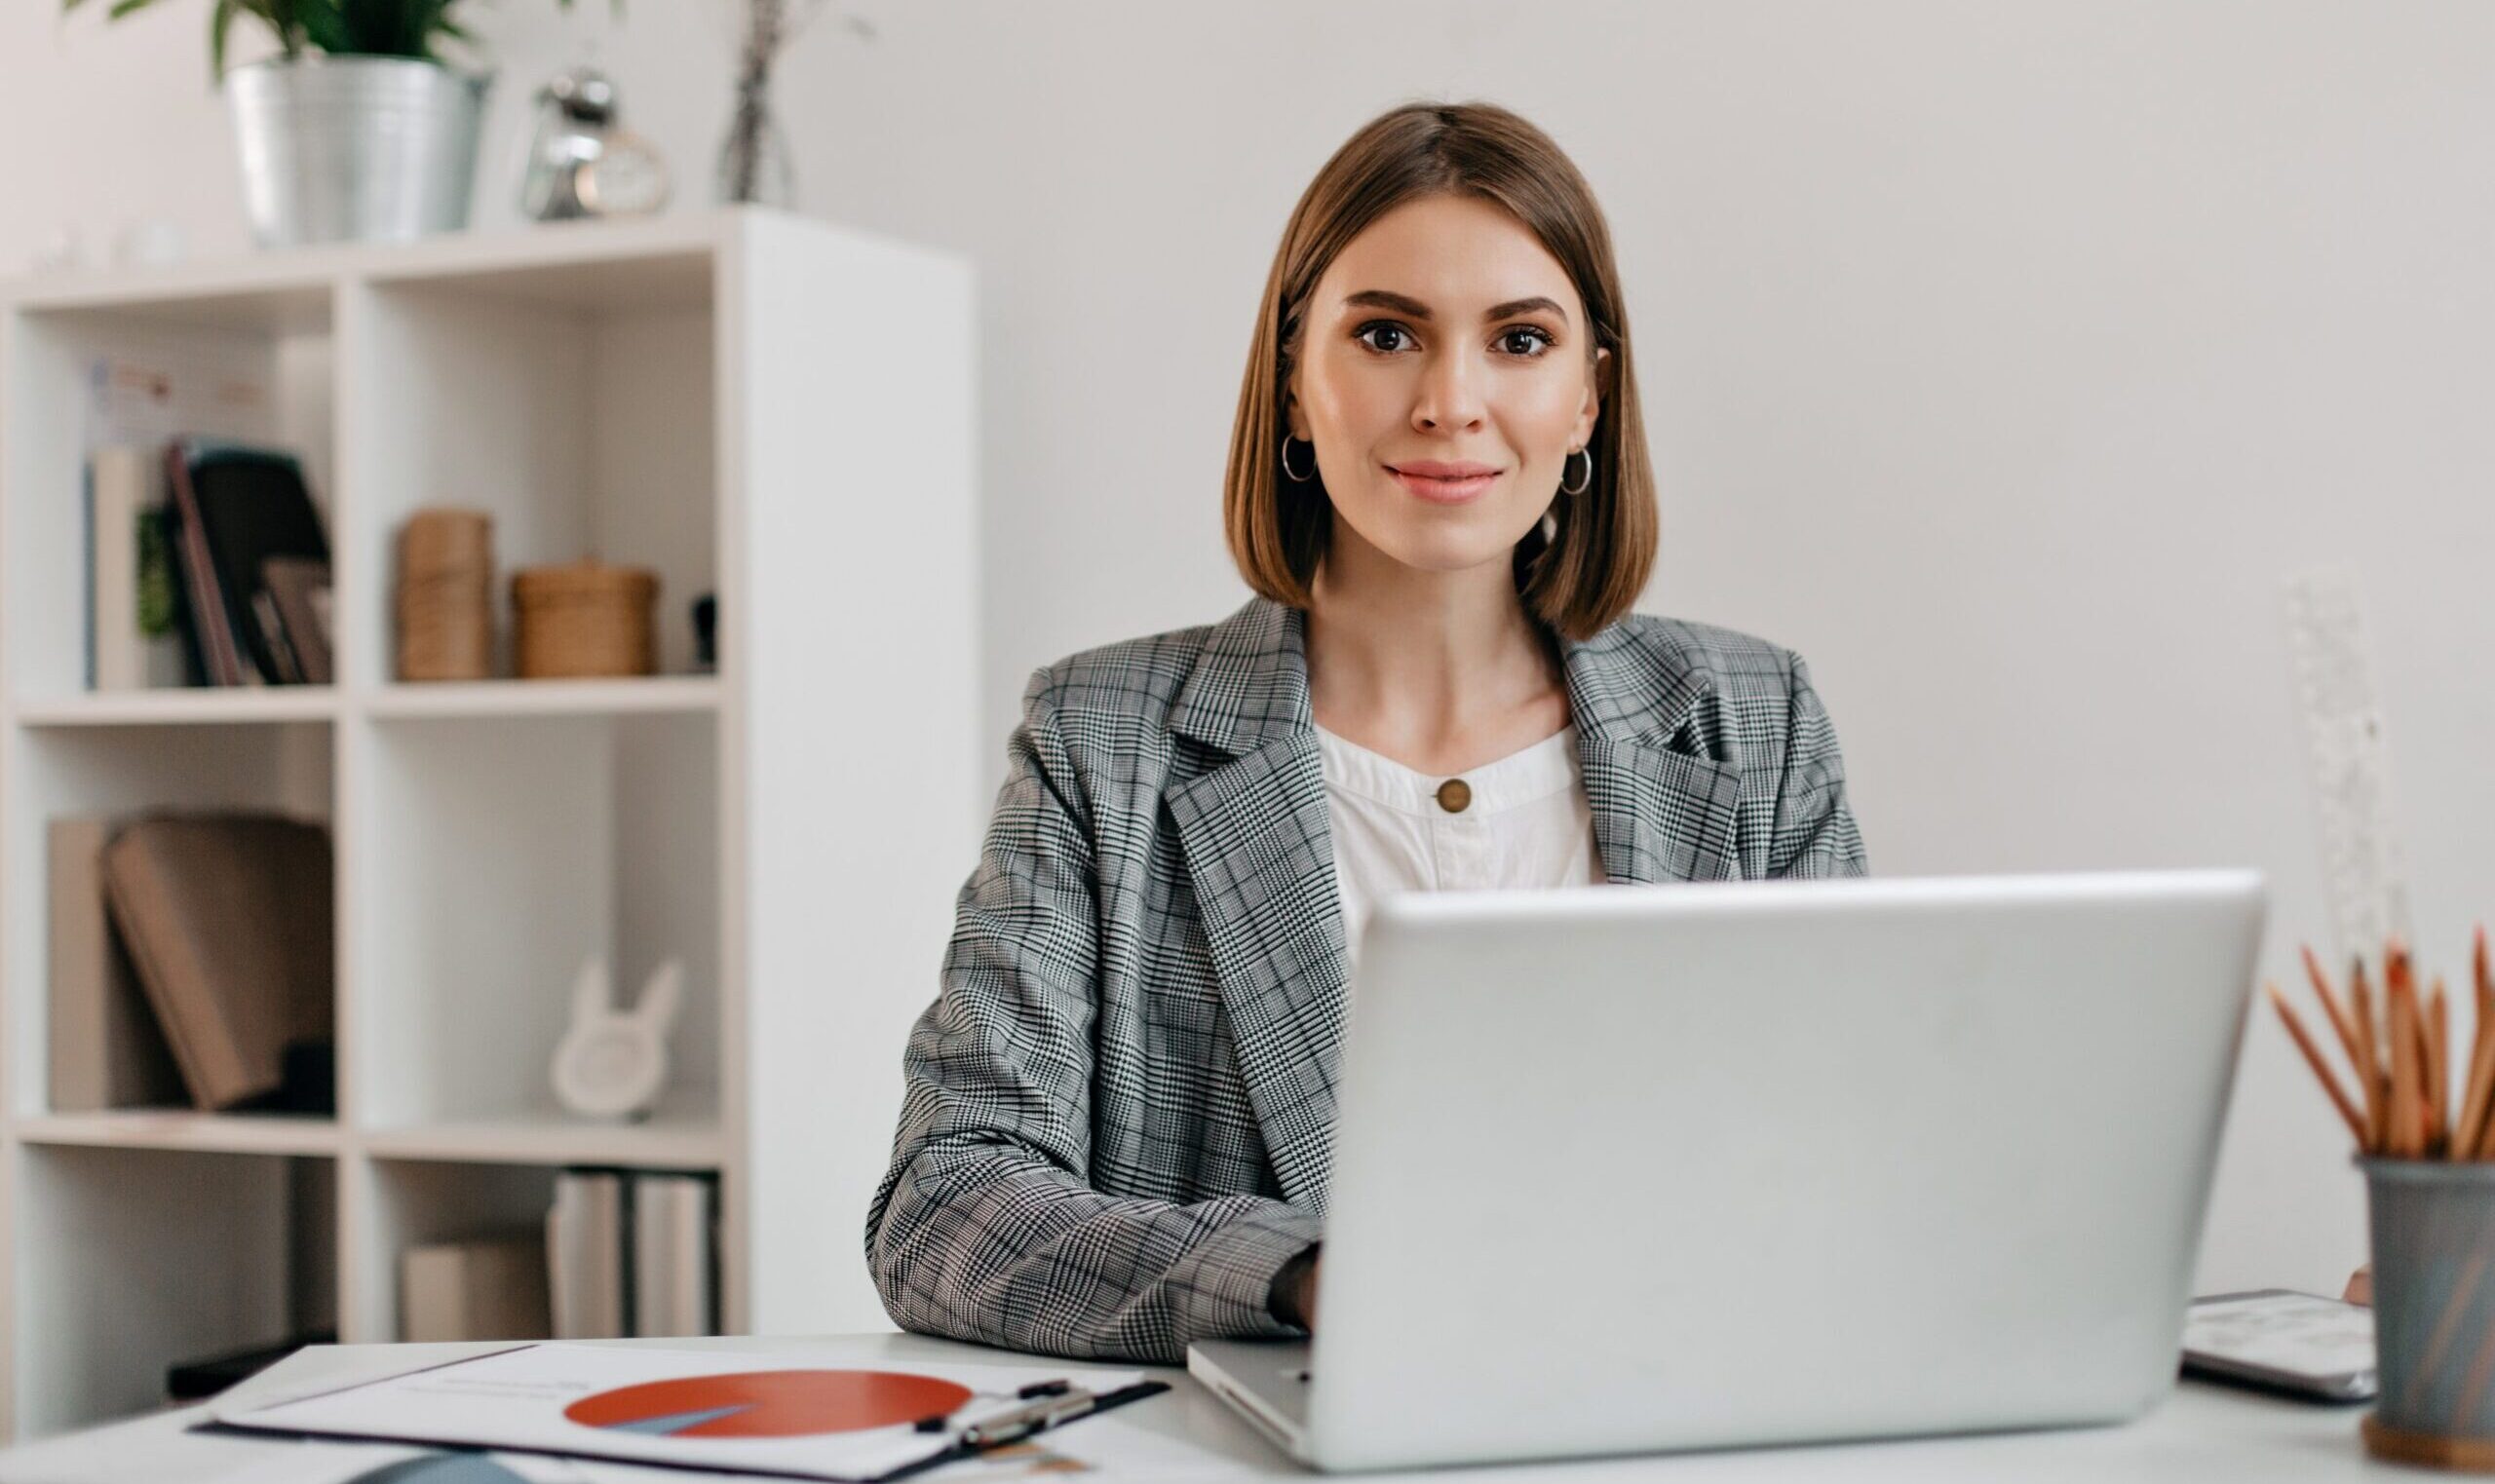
(1390, 326)
(1530, 332)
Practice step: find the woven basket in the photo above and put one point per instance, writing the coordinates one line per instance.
(446, 596)
(585, 620)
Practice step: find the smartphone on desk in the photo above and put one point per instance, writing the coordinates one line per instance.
(2278, 1340)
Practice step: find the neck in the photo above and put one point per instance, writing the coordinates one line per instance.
(1420, 658)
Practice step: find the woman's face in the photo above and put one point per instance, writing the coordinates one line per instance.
(1443, 376)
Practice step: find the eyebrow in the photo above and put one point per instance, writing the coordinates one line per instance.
(1382, 299)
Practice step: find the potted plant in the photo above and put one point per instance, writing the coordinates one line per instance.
(356, 129)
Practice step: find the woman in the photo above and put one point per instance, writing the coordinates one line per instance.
(1120, 1106)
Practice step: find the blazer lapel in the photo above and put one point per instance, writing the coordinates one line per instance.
(1260, 851)
(1662, 811)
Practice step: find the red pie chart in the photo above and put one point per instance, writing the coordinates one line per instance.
(769, 1403)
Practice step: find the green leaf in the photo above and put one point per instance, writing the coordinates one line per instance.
(368, 28)
(271, 13)
(286, 17)
(268, 14)
(428, 19)
(324, 25)
(220, 19)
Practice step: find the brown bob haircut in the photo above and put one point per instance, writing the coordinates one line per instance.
(1598, 564)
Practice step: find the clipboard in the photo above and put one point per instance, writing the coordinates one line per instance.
(776, 1414)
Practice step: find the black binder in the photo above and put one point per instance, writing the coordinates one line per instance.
(250, 504)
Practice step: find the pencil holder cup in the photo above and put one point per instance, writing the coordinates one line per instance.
(2434, 1279)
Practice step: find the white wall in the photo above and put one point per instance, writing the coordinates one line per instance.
(2002, 358)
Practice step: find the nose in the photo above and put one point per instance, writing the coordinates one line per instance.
(1446, 398)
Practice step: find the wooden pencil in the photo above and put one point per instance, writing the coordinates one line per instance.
(2414, 999)
(2341, 1025)
(2482, 1062)
(2487, 1135)
(2481, 1084)
(2371, 1074)
(2408, 1131)
(2320, 1069)
(2485, 978)
(2437, 1028)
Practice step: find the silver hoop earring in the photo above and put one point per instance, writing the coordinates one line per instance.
(1292, 475)
(1581, 485)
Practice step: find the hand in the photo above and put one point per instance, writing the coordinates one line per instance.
(1292, 1297)
(2360, 1286)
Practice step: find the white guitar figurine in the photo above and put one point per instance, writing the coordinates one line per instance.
(611, 1063)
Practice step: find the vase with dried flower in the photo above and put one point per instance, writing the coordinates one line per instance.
(754, 164)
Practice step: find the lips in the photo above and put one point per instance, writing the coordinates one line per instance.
(1442, 483)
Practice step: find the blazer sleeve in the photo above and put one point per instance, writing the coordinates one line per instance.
(986, 1225)
(1814, 833)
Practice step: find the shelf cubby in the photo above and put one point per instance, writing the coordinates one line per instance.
(93, 1338)
(265, 356)
(123, 770)
(408, 1202)
(576, 408)
(518, 847)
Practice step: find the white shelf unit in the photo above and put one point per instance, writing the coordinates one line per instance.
(777, 410)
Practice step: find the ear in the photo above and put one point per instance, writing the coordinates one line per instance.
(660, 997)
(1597, 392)
(591, 998)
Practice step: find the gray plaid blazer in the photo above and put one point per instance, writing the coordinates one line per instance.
(1120, 1106)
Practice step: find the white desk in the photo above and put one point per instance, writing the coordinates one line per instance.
(2202, 1436)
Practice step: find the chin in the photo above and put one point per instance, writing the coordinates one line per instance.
(1434, 538)
(1446, 551)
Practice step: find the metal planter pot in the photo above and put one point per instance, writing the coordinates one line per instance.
(355, 148)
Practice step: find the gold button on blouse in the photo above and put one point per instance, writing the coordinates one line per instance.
(1454, 794)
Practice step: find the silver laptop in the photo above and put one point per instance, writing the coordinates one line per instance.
(1634, 1169)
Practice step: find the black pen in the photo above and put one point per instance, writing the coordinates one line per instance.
(1022, 1421)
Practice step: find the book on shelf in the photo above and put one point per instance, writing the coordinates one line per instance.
(634, 1252)
(228, 917)
(105, 1048)
(235, 509)
(478, 1288)
(138, 398)
(133, 641)
(587, 1260)
(675, 1254)
(207, 633)
(300, 587)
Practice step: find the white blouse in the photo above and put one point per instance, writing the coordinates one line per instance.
(1519, 821)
